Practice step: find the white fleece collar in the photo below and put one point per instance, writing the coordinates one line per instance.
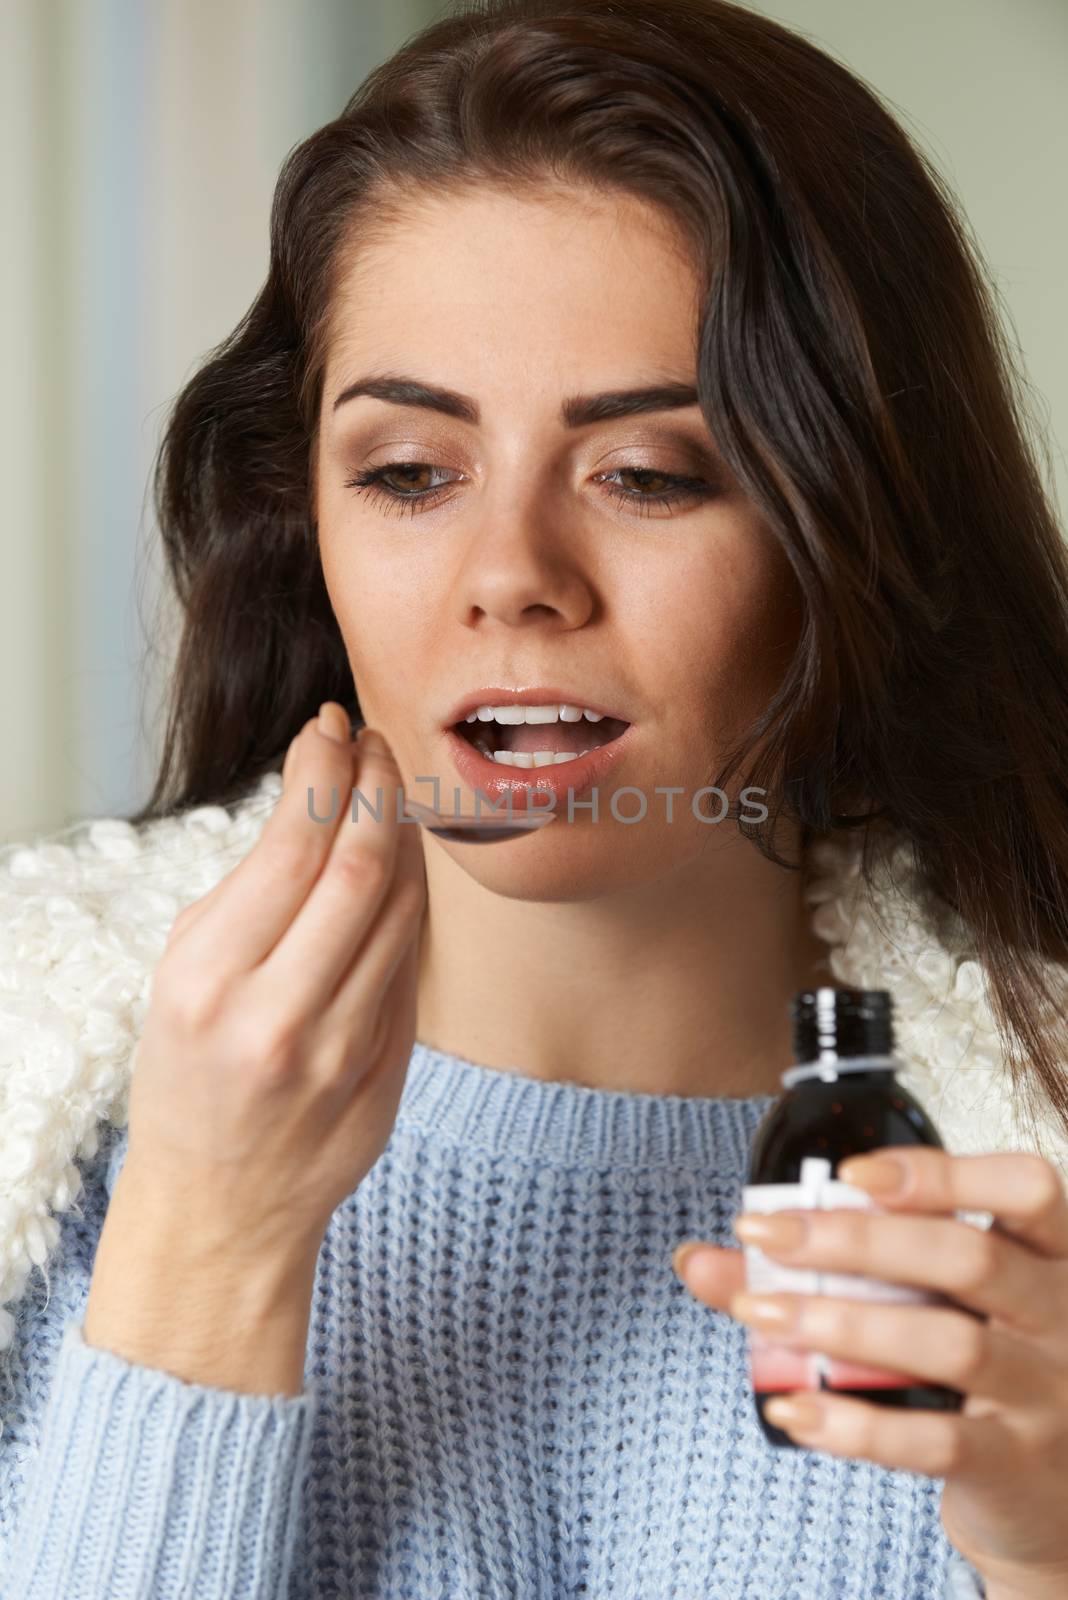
(85, 914)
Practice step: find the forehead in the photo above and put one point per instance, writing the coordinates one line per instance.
(531, 276)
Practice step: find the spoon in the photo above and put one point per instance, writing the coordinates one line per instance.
(477, 830)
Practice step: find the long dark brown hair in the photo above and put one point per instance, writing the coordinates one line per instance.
(852, 366)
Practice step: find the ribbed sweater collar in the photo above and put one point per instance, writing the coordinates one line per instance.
(503, 1112)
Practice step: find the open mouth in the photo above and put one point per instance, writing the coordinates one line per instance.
(546, 741)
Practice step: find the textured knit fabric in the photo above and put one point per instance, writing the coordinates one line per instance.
(507, 1391)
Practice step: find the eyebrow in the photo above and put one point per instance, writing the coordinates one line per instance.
(577, 412)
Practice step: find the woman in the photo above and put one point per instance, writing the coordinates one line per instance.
(622, 358)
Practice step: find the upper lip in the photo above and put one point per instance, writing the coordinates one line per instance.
(538, 696)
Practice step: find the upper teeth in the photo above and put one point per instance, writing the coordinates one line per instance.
(517, 714)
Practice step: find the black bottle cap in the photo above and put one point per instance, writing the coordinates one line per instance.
(842, 1022)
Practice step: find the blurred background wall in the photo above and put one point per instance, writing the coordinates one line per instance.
(141, 140)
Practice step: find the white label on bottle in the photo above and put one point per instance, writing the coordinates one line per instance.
(777, 1367)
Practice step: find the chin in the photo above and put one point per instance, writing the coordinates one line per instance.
(579, 863)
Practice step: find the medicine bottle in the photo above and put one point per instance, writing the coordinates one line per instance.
(840, 1099)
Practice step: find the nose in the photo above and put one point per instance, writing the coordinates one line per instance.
(517, 570)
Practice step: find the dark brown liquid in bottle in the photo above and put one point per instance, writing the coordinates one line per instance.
(857, 1111)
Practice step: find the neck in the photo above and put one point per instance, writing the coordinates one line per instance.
(677, 986)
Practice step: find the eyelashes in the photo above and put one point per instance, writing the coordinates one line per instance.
(373, 483)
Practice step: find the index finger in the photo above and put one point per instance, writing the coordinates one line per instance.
(368, 870)
(248, 910)
(1024, 1193)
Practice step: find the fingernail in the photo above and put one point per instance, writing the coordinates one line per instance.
(684, 1251)
(371, 743)
(333, 722)
(768, 1313)
(795, 1413)
(883, 1174)
(781, 1233)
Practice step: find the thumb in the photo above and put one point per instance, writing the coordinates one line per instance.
(711, 1272)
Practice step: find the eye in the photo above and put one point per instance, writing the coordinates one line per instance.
(682, 489)
(374, 482)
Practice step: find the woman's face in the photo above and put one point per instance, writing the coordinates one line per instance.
(521, 549)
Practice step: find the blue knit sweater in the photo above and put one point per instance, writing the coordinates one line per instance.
(508, 1392)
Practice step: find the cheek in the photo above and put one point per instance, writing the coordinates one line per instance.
(371, 592)
(733, 618)
(387, 626)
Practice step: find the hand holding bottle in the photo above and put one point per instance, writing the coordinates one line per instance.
(977, 1316)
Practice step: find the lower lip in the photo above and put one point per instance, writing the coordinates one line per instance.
(522, 783)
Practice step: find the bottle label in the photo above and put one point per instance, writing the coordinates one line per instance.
(775, 1367)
